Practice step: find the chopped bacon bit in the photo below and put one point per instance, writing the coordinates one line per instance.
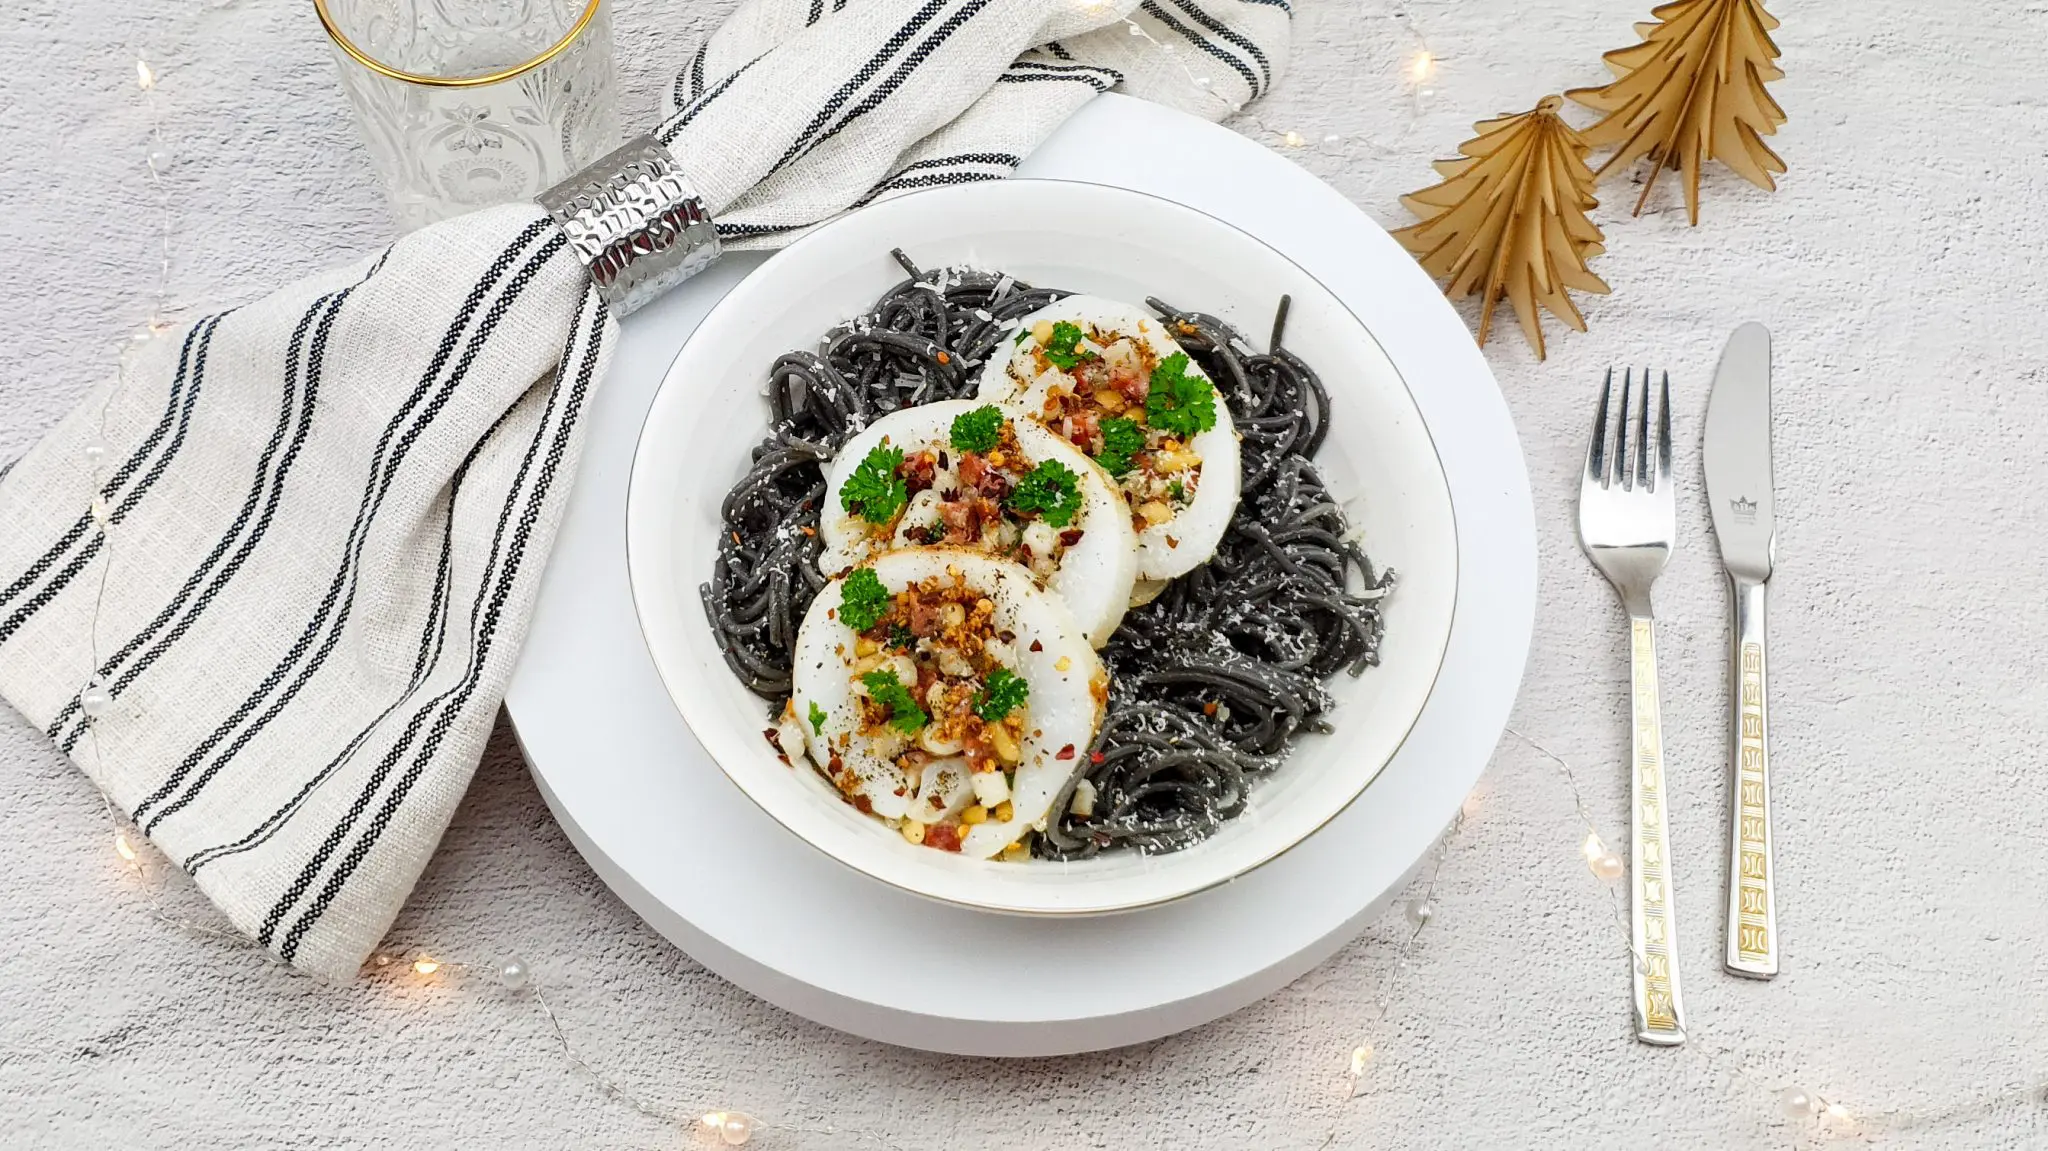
(901, 791)
(1085, 431)
(862, 804)
(1133, 386)
(1037, 646)
(918, 471)
(1096, 757)
(924, 618)
(942, 837)
(1066, 752)
(962, 519)
(1070, 537)
(1209, 708)
(977, 473)
(775, 741)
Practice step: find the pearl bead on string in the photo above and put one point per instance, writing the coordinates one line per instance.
(514, 975)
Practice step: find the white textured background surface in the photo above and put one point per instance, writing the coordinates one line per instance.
(1901, 270)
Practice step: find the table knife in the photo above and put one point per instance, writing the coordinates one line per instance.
(1737, 456)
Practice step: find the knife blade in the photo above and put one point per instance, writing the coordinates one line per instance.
(1736, 455)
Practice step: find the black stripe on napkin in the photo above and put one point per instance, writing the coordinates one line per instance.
(1207, 45)
(1250, 47)
(897, 41)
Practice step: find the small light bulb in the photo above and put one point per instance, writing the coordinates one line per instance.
(1360, 1056)
(122, 847)
(101, 513)
(713, 1120)
(144, 78)
(1293, 139)
(1836, 1113)
(1135, 30)
(1593, 848)
(1420, 68)
(426, 965)
(381, 959)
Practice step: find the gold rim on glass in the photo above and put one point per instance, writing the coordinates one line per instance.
(347, 45)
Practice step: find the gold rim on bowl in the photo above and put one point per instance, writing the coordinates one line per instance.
(355, 53)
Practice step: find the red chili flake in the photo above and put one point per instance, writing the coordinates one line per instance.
(1070, 537)
(735, 537)
(899, 791)
(1066, 752)
(1037, 646)
(1096, 757)
(944, 358)
(861, 804)
(1209, 708)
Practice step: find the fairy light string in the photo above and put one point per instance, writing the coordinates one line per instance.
(1812, 1111)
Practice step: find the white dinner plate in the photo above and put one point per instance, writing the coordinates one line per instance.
(665, 828)
(1377, 458)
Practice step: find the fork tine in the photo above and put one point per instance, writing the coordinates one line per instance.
(1596, 458)
(1621, 431)
(1644, 446)
(1664, 434)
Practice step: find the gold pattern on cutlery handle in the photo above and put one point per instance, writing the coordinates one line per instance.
(1752, 915)
(1659, 1010)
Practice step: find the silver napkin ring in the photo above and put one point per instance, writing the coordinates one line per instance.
(635, 221)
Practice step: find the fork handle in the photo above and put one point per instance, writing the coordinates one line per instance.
(1752, 905)
(1660, 1017)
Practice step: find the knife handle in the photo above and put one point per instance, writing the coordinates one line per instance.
(1653, 925)
(1752, 900)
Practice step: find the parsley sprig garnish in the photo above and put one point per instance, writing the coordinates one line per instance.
(817, 719)
(978, 430)
(885, 689)
(1063, 349)
(863, 600)
(1178, 402)
(1122, 440)
(1003, 692)
(1052, 491)
(874, 491)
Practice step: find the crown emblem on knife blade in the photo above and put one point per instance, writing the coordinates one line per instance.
(1742, 507)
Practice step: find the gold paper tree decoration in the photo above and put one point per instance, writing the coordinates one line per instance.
(1692, 91)
(1509, 220)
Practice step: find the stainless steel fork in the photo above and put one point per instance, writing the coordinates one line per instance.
(1627, 524)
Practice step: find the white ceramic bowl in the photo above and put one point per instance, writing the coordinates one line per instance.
(710, 413)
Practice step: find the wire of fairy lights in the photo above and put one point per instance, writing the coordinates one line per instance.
(1809, 1110)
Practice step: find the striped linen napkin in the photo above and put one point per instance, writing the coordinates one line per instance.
(266, 591)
